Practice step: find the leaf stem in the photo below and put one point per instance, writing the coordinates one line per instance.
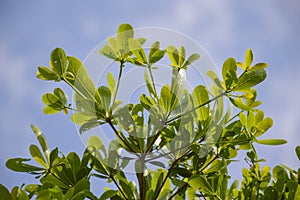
(153, 83)
(119, 80)
(155, 138)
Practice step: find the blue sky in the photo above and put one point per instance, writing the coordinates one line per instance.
(31, 29)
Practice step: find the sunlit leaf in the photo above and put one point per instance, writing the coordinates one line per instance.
(37, 155)
(173, 55)
(111, 82)
(45, 73)
(181, 55)
(200, 97)
(248, 57)
(264, 125)
(258, 66)
(138, 51)
(125, 31)
(229, 72)
(199, 182)
(192, 58)
(239, 104)
(155, 53)
(108, 52)
(272, 141)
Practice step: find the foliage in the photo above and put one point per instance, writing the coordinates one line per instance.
(187, 135)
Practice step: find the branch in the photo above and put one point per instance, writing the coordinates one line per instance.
(201, 105)
(119, 136)
(119, 188)
(119, 80)
(168, 174)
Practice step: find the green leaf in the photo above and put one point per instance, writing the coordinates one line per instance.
(69, 194)
(264, 125)
(229, 72)
(173, 55)
(155, 53)
(108, 194)
(18, 194)
(192, 58)
(45, 73)
(212, 75)
(61, 95)
(37, 155)
(239, 104)
(105, 95)
(127, 189)
(137, 49)
(125, 31)
(141, 40)
(250, 120)
(259, 66)
(75, 67)
(58, 61)
(89, 125)
(147, 102)
(108, 52)
(74, 162)
(271, 141)
(199, 182)
(42, 141)
(52, 101)
(51, 180)
(5, 194)
(243, 118)
(250, 79)
(167, 99)
(18, 165)
(248, 57)
(157, 163)
(259, 116)
(297, 149)
(200, 97)
(111, 82)
(96, 143)
(181, 55)
(83, 184)
(31, 188)
(49, 110)
(270, 193)
(113, 43)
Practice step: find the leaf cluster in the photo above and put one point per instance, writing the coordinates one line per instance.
(189, 137)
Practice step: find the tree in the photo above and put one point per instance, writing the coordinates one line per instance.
(179, 142)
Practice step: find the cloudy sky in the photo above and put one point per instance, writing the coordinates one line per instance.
(225, 28)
